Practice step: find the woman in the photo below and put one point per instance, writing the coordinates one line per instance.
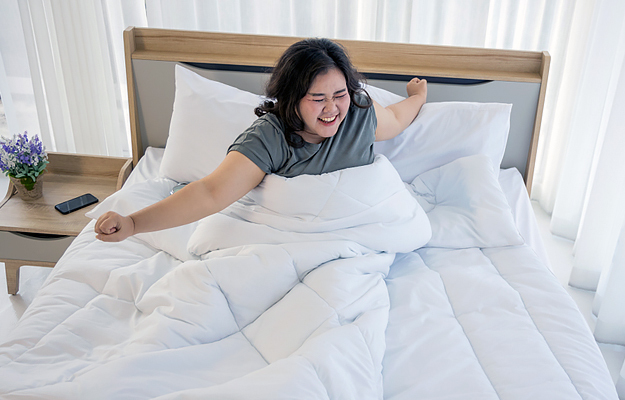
(321, 121)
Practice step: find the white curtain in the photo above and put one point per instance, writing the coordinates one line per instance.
(585, 188)
(72, 70)
(62, 73)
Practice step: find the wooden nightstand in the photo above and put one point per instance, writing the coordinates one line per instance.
(34, 232)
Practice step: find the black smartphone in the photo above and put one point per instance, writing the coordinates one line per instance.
(76, 203)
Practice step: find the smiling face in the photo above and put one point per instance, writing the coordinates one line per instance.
(324, 107)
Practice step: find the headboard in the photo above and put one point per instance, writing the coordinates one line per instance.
(244, 61)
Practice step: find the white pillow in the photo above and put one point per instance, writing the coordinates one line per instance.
(465, 205)
(443, 132)
(207, 117)
(383, 97)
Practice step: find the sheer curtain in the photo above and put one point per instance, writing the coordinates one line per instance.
(585, 189)
(61, 75)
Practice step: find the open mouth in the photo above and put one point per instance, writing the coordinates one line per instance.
(328, 120)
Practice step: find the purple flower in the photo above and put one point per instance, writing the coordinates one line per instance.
(21, 157)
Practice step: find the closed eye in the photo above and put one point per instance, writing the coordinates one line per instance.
(333, 98)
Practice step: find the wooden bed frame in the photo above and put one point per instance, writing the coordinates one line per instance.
(379, 61)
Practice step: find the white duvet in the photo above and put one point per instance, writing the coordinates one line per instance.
(297, 292)
(280, 296)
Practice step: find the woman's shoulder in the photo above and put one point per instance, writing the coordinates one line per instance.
(361, 107)
(267, 129)
(270, 123)
(362, 99)
(263, 143)
(361, 118)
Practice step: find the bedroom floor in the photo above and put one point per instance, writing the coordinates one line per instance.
(559, 250)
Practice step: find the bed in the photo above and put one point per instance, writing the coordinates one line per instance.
(420, 276)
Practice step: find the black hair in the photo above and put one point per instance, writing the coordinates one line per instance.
(293, 75)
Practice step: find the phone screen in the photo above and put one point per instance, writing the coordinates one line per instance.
(76, 203)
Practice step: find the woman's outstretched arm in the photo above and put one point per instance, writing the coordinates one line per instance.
(234, 177)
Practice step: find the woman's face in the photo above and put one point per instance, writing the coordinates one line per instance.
(324, 107)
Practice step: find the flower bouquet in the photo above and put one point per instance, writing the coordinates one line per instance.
(23, 160)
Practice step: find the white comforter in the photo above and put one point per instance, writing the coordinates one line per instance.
(280, 296)
(476, 314)
(287, 294)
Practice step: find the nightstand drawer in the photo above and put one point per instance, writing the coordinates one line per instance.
(20, 246)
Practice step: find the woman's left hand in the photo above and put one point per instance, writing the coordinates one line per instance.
(417, 86)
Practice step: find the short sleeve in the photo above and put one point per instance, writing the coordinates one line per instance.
(264, 144)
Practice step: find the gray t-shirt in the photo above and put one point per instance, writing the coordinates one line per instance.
(352, 146)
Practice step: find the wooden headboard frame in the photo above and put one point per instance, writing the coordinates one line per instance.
(368, 57)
